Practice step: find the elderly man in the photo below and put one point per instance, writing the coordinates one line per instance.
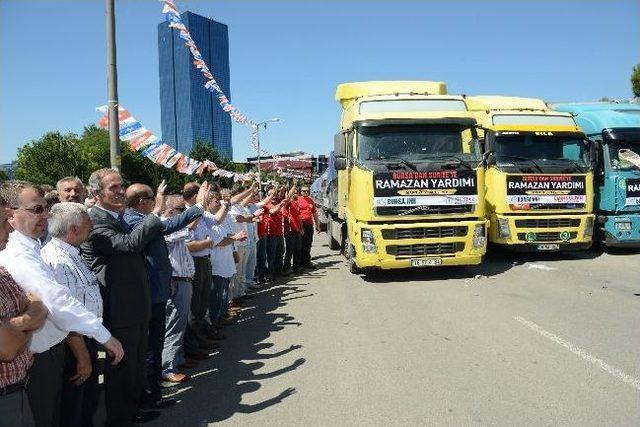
(19, 316)
(21, 258)
(71, 189)
(139, 199)
(114, 252)
(69, 227)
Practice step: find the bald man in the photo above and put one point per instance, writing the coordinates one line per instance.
(139, 199)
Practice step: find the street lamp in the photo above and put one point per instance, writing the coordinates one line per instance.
(264, 124)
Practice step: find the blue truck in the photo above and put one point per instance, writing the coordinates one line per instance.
(615, 129)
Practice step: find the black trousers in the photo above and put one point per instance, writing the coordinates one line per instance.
(293, 243)
(124, 382)
(45, 386)
(200, 298)
(307, 241)
(155, 344)
(80, 402)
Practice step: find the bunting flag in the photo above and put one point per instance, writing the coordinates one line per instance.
(143, 140)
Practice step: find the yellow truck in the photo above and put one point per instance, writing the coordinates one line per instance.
(539, 175)
(410, 185)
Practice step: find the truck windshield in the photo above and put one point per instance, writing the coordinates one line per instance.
(528, 146)
(618, 161)
(415, 142)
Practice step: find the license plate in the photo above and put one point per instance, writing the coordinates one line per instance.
(426, 262)
(549, 247)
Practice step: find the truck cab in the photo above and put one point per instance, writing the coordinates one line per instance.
(410, 185)
(539, 175)
(615, 129)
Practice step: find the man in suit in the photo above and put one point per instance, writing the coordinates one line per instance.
(139, 199)
(114, 251)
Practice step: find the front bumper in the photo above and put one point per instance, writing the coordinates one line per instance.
(450, 242)
(615, 237)
(540, 232)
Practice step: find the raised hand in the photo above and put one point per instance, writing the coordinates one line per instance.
(161, 198)
(203, 193)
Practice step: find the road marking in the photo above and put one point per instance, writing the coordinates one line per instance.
(618, 373)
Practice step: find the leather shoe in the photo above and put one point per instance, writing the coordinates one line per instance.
(144, 417)
(225, 322)
(175, 377)
(162, 403)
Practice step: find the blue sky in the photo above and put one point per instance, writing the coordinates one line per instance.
(287, 58)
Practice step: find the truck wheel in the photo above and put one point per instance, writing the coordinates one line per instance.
(350, 252)
(333, 243)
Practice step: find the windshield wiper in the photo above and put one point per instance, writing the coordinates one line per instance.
(533, 162)
(566, 159)
(460, 160)
(397, 159)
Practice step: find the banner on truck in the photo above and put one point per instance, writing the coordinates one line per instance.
(428, 188)
(632, 186)
(546, 189)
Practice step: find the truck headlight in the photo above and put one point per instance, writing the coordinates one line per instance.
(503, 228)
(368, 241)
(588, 227)
(479, 238)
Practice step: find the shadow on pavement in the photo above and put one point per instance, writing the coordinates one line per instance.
(216, 388)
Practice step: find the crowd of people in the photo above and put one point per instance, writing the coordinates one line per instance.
(118, 291)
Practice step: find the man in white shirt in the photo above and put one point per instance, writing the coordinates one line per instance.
(69, 226)
(28, 215)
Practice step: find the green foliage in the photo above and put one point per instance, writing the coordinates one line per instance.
(635, 80)
(3, 176)
(54, 155)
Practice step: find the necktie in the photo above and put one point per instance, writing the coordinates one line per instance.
(123, 223)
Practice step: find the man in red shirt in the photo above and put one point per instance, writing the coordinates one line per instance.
(292, 235)
(308, 216)
(275, 232)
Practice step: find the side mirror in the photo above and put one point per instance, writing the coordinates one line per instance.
(340, 163)
(340, 145)
(594, 149)
(489, 158)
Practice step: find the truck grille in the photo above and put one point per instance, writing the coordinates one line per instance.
(423, 232)
(547, 236)
(425, 249)
(547, 223)
(423, 210)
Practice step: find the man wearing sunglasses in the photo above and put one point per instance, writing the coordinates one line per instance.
(140, 203)
(28, 215)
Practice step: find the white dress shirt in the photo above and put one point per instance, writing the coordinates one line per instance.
(222, 263)
(182, 264)
(22, 260)
(235, 211)
(73, 272)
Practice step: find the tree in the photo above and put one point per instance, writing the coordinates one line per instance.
(3, 176)
(51, 157)
(635, 80)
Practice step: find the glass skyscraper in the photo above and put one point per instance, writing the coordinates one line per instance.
(189, 112)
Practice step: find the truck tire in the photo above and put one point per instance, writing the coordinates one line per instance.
(349, 252)
(334, 245)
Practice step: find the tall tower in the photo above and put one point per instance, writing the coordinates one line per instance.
(189, 112)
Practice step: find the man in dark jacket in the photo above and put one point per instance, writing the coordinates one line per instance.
(114, 253)
(139, 199)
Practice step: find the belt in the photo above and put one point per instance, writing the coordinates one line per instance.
(12, 388)
(201, 257)
(182, 279)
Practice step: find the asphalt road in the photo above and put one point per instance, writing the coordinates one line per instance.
(523, 340)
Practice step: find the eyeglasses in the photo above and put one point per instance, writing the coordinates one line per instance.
(147, 198)
(182, 209)
(36, 210)
(304, 191)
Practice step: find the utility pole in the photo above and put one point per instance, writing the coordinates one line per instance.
(275, 119)
(112, 87)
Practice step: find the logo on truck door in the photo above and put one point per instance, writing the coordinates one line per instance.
(429, 188)
(632, 186)
(546, 189)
